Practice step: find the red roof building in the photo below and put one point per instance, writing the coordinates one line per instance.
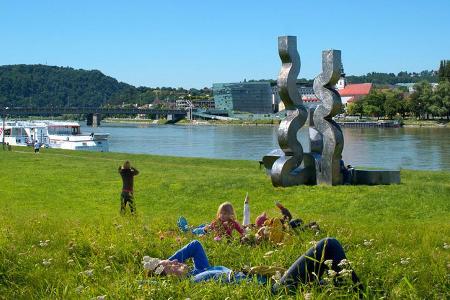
(353, 92)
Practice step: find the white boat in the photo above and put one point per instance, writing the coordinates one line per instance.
(23, 133)
(53, 134)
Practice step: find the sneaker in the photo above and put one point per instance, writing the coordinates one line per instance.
(182, 224)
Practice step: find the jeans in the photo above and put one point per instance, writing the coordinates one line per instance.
(301, 271)
(127, 197)
(202, 270)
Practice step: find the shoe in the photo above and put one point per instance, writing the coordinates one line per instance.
(182, 224)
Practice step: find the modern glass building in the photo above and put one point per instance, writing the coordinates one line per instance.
(252, 97)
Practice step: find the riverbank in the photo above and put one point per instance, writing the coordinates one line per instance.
(62, 236)
(194, 122)
(274, 122)
(426, 123)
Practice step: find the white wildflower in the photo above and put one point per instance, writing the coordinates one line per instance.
(308, 296)
(277, 277)
(404, 261)
(331, 273)
(43, 243)
(328, 263)
(79, 289)
(88, 273)
(344, 263)
(446, 246)
(345, 273)
(368, 243)
(47, 262)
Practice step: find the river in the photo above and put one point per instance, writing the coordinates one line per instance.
(407, 148)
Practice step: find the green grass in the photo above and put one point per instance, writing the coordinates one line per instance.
(72, 200)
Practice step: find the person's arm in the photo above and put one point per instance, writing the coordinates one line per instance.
(135, 171)
(210, 227)
(195, 251)
(238, 228)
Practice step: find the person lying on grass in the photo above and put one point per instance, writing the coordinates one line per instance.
(222, 226)
(327, 255)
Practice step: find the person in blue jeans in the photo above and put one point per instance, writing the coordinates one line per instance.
(325, 255)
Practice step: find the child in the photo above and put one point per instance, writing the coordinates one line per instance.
(127, 172)
(225, 222)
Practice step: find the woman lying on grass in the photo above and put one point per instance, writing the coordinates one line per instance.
(327, 255)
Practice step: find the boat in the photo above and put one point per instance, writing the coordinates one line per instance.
(23, 133)
(53, 134)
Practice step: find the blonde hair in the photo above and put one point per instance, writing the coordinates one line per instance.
(228, 207)
(126, 163)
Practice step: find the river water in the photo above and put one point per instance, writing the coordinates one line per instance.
(407, 148)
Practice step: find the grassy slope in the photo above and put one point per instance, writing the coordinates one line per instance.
(72, 199)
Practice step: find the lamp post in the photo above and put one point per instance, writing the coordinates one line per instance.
(3, 127)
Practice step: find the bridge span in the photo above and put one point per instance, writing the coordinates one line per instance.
(93, 114)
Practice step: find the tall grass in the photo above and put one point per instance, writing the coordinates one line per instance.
(61, 234)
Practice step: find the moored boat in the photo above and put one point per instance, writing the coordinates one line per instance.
(52, 134)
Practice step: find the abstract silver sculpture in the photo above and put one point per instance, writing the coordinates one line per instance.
(327, 165)
(287, 169)
(290, 165)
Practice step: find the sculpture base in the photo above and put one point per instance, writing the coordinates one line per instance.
(375, 177)
(358, 176)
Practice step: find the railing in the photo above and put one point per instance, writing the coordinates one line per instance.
(24, 111)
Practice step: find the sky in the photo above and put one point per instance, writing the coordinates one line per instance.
(192, 44)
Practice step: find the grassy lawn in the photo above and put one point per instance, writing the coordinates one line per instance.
(397, 237)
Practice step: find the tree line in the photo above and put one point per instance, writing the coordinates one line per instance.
(426, 101)
(51, 86)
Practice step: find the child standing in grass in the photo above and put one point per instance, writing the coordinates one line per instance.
(225, 222)
(127, 172)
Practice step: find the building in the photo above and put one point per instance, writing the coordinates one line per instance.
(306, 93)
(251, 97)
(353, 92)
(348, 92)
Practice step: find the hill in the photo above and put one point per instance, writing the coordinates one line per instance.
(40, 85)
(44, 86)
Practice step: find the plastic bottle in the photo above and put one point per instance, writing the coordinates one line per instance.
(246, 217)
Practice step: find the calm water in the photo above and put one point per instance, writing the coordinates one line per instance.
(408, 148)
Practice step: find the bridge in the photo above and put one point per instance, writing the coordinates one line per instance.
(93, 114)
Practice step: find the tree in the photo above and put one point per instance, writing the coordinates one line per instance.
(355, 108)
(372, 110)
(393, 104)
(420, 101)
(373, 103)
(444, 70)
(441, 100)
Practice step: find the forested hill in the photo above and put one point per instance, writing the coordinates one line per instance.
(45, 86)
(40, 85)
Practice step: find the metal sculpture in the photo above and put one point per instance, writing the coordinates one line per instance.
(286, 169)
(291, 165)
(327, 164)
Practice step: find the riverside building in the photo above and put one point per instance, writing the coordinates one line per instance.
(251, 97)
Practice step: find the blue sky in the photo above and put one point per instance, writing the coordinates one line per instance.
(194, 43)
